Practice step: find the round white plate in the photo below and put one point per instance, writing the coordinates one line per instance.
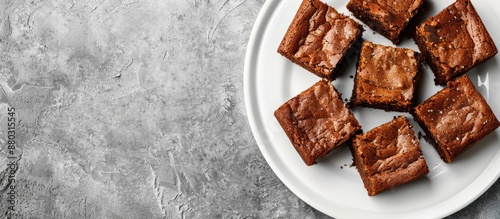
(332, 186)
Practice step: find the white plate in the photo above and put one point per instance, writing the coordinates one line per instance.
(333, 187)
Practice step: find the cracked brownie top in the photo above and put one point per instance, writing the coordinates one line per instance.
(456, 117)
(319, 37)
(388, 17)
(388, 155)
(385, 77)
(454, 41)
(316, 121)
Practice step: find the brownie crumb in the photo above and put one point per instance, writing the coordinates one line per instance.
(351, 76)
(348, 104)
(348, 165)
(427, 139)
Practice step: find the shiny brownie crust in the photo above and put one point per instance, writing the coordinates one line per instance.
(455, 118)
(319, 37)
(316, 121)
(385, 77)
(389, 18)
(388, 156)
(454, 41)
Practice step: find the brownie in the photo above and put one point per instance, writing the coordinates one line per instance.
(319, 37)
(385, 77)
(388, 156)
(455, 118)
(454, 41)
(316, 121)
(389, 18)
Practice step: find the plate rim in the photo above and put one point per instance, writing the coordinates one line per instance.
(467, 195)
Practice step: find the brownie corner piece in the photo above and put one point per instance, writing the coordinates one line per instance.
(388, 156)
(319, 37)
(455, 118)
(389, 18)
(385, 77)
(317, 121)
(454, 41)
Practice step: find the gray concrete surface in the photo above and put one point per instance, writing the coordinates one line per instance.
(134, 109)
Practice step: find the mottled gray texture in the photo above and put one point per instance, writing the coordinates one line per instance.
(134, 109)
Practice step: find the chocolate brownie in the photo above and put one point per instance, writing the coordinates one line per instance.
(389, 18)
(319, 37)
(454, 41)
(455, 118)
(316, 121)
(385, 77)
(388, 156)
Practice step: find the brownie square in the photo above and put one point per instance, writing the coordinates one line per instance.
(454, 41)
(455, 118)
(389, 18)
(316, 121)
(388, 156)
(385, 77)
(319, 37)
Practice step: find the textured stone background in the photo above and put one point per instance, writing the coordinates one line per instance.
(134, 109)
